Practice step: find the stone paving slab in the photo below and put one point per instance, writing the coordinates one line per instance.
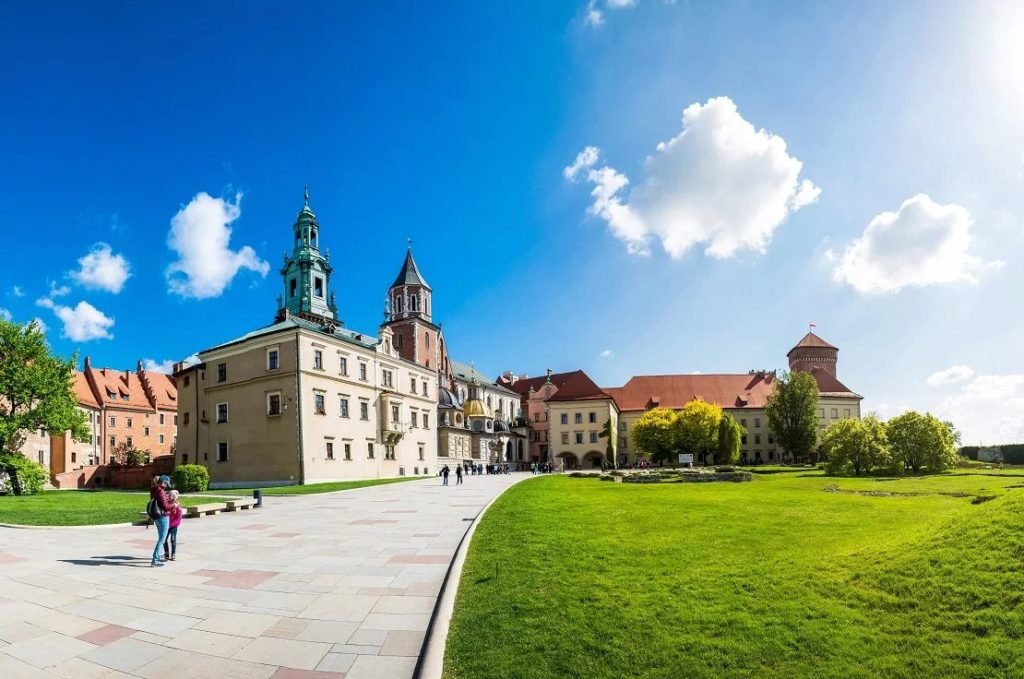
(314, 587)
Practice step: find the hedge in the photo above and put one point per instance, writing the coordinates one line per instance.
(191, 478)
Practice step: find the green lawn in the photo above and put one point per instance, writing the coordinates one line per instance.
(578, 578)
(313, 488)
(82, 507)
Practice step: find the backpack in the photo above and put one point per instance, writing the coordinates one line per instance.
(153, 510)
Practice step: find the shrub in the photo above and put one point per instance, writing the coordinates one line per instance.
(191, 478)
(725, 468)
(27, 477)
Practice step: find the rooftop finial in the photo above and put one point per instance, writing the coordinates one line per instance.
(409, 241)
(305, 195)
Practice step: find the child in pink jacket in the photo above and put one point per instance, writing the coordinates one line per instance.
(175, 513)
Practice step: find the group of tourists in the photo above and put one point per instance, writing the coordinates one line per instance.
(165, 512)
(541, 468)
(474, 470)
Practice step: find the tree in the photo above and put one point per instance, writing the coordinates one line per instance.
(730, 434)
(654, 433)
(792, 411)
(697, 428)
(36, 388)
(922, 441)
(856, 445)
(608, 434)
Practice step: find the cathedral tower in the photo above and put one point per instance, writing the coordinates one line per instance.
(307, 273)
(409, 315)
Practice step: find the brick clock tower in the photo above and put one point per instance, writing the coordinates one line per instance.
(408, 314)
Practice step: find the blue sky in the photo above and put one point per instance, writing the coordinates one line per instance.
(455, 126)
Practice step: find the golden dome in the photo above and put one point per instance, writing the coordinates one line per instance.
(475, 408)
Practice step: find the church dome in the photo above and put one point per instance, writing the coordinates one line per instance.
(446, 398)
(500, 427)
(474, 407)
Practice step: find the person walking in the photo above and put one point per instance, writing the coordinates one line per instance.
(444, 475)
(157, 510)
(458, 475)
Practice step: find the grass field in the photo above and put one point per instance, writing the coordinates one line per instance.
(82, 507)
(772, 578)
(313, 488)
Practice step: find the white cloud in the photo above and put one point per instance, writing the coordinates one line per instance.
(607, 353)
(43, 328)
(987, 410)
(200, 234)
(58, 291)
(16, 291)
(82, 323)
(720, 182)
(101, 269)
(594, 13)
(951, 375)
(150, 365)
(923, 243)
(5, 314)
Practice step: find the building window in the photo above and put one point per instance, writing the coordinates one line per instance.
(318, 404)
(421, 452)
(330, 450)
(369, 450)
(771, 454)
(579, 418)
(273, 359)
(113, 421)
(161, 418)
(222, 451)
(128, 442)
(364, 410)
(426, 421)
(579, 437)
(318, 360)
(174, 420)
(395, 414)
(129, 423)
(565, 437)
(362, 371)
(187, 380)
(222, 372)
(113, 441)
(344, 407)
(622, 426)
(293, 286)
(414, 418)
(274, 404)
(389, 452)
(593, 437)
(846, 412)
(757, 439)
(835, 413)
(757, 423)
(222, 413)
(39, 455)
(184, 420)
(348, 451)
(145, 431)
(593, 418)
(743, 422)
(344, 366)
(565, 418)
(387, 378)
(425, 388)
(318, 283)
(412, 383)
(743, 439)
(161, 439)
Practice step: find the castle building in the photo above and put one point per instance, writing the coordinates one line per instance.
(305, 399)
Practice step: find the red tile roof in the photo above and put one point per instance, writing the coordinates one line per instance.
(829, 384)
(83, 392)
(120, 388)
(165, 391)
(675, 391)
(811, 340)
(572, 386)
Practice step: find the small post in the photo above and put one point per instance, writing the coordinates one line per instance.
(257, 495)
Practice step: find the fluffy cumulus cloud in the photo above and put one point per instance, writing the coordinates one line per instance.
(720, 182)
(594, 13)
(923, 243)
(101, 269)
(200, 235)
(987, 409)
(951, 375)
(83, 322)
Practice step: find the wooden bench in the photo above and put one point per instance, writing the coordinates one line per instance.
(234, 505)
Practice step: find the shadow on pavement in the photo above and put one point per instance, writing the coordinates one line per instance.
(119, 560)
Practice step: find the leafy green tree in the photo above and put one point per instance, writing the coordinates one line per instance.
(856, 445)
(655, 435)
(36, 389)
(792, 411)
(730, 434)
(697, 428)
(922, 441)
(608, 434)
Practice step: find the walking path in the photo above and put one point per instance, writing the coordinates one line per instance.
(327, 586)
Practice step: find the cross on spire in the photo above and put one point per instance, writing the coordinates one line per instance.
(305, 195)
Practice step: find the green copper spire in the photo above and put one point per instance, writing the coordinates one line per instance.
(307, 273)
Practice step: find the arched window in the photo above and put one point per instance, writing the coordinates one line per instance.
(414, 303)
(398, 303)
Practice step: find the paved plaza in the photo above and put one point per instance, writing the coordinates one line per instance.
(335, 585)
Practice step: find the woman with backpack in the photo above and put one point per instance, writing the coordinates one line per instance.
(158, 508)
